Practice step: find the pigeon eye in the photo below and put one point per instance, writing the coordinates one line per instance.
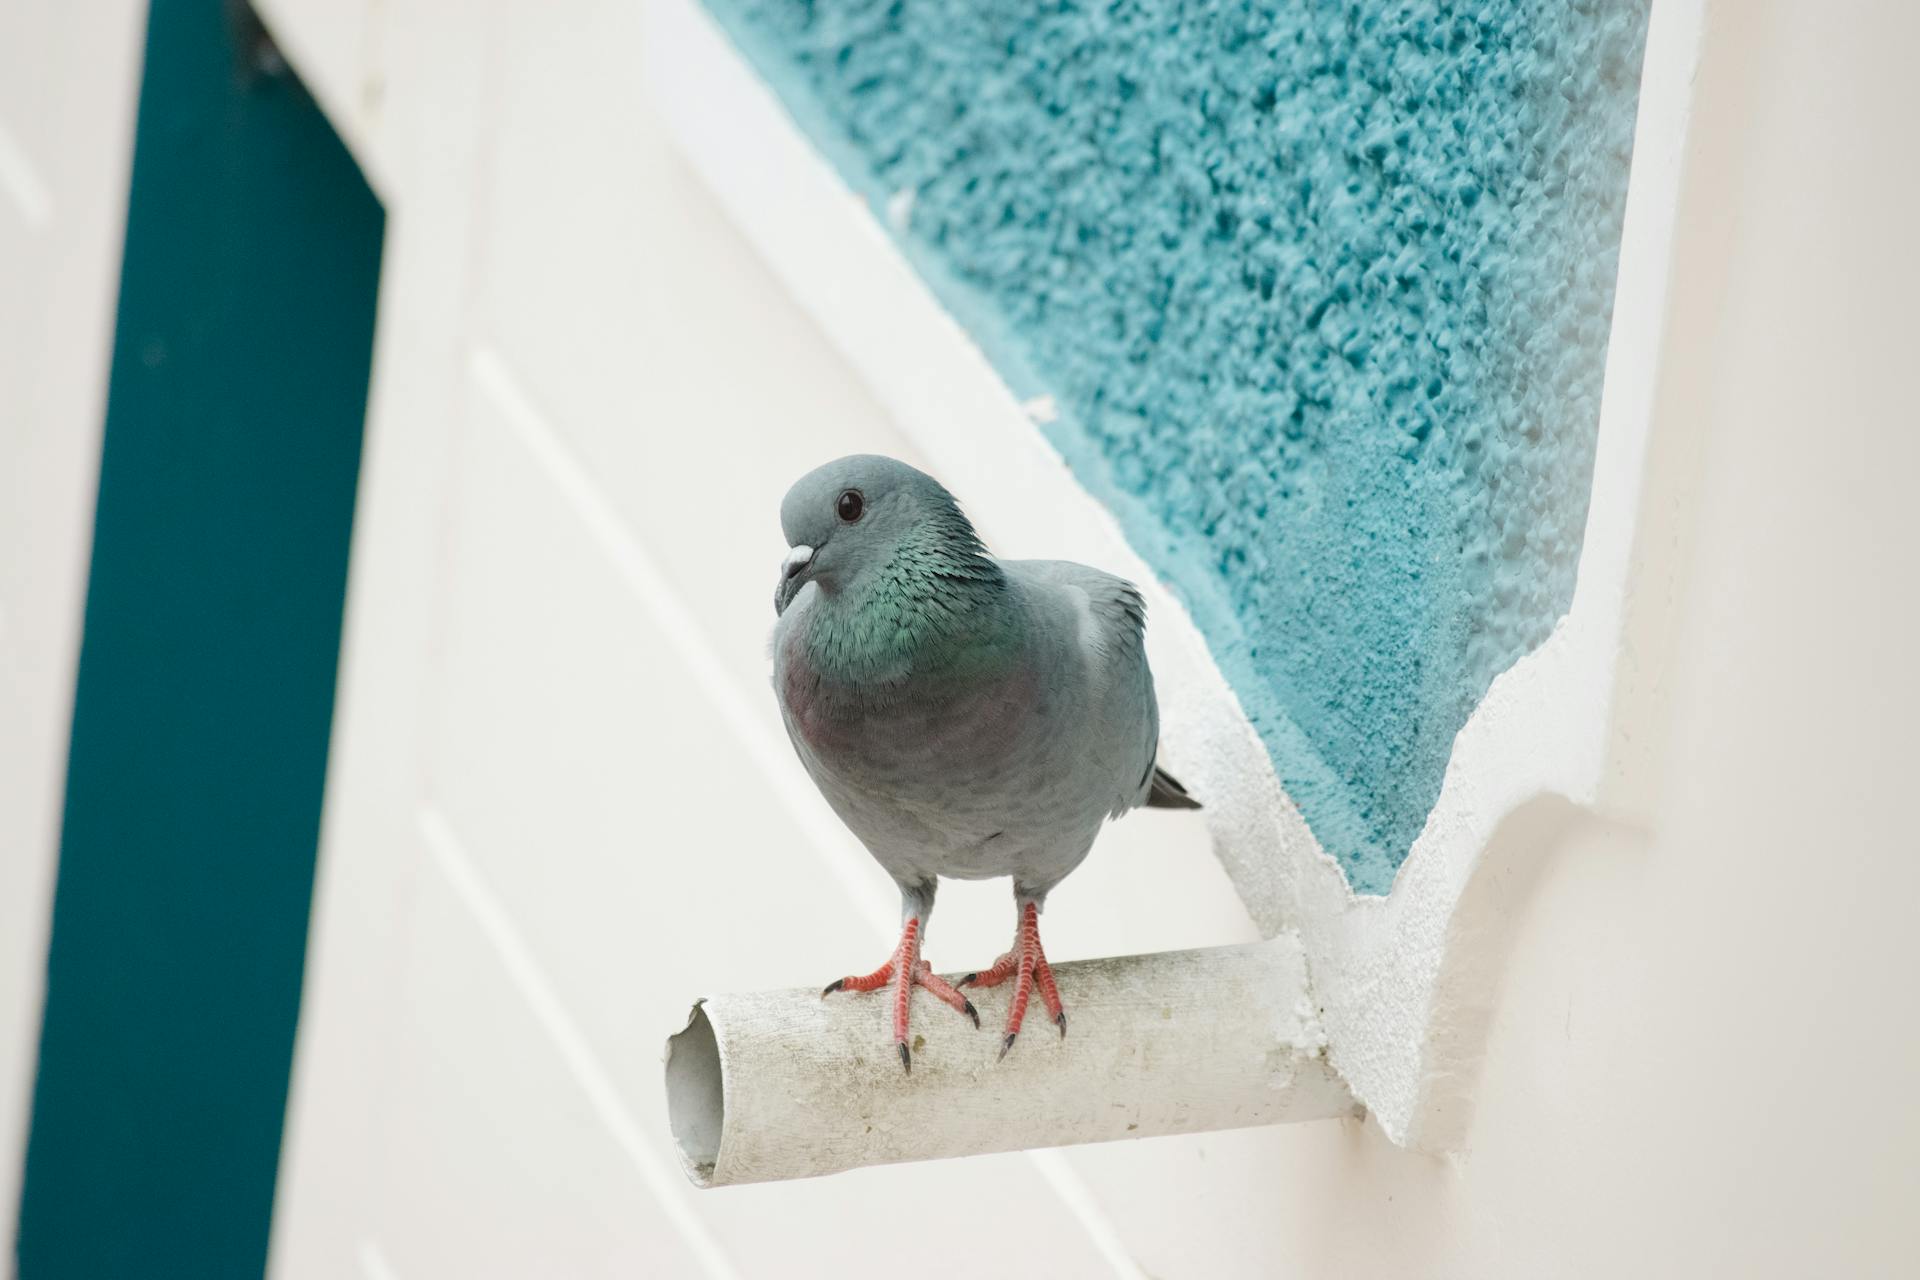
(850, 505)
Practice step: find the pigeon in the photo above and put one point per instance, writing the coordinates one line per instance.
(966, 717)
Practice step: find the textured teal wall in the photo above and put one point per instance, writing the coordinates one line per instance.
(1323, 292)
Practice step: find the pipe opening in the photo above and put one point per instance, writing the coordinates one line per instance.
(696, 1101)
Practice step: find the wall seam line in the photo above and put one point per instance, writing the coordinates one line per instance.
(450, 855)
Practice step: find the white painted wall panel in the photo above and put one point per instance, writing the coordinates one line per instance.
(497, 1163)
(667, 356)
(69, 80)
(431, 128)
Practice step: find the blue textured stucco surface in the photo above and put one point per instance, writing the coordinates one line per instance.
(1322, 291)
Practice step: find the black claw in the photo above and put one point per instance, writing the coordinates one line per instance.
(973, 1013)
(1060, 1020)
(906, 1057)
(832, 987)
(1007, 1045)
(964, 981)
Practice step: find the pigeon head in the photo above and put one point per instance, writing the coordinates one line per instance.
(851, 517)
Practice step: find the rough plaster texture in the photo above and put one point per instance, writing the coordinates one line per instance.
(1322, 295)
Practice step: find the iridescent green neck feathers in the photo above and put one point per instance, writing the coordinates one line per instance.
(938, 608)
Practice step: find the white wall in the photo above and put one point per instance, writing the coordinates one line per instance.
(589, 398)
(558, 783)
(69, 78)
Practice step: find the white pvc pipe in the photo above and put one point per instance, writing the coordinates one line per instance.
(785, 1084)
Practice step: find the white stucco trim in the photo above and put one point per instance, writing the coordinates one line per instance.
(1403, 1036)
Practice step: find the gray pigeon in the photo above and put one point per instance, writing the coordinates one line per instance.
(965, 716)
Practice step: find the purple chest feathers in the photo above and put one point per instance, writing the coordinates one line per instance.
(889, 727)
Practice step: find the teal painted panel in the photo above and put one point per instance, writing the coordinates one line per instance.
(206, 679)
(1323, 292)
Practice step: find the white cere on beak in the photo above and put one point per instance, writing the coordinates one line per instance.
(797, 559)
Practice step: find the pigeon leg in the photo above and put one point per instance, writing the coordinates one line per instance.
(904, 971)
(1027, 965)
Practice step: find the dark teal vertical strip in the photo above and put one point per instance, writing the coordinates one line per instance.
(206, 683)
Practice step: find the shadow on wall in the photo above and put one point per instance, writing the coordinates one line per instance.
(1323, 294)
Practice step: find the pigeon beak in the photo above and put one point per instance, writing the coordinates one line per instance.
(790, 570)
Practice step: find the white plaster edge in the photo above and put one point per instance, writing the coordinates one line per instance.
(1541, 728)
